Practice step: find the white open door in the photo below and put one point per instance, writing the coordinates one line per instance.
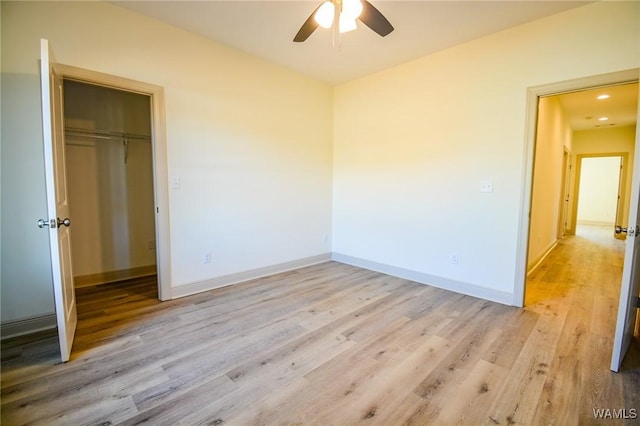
(57, 203)
(629, 290)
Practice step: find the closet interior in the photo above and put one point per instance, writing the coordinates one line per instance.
(109, 164)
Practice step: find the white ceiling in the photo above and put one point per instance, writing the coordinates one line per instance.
(265, 29)
(583, 109)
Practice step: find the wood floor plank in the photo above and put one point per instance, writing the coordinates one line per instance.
(437, 388)
(333, 344)
(389, 387)
(475, 393)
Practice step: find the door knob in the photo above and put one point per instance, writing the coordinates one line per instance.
(630, 231)
(44, 223)
(65, 222)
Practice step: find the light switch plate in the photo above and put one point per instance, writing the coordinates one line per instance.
(486, 186)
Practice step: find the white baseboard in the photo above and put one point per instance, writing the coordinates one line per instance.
(27, 326)
(537, 262)
(225, 280)
(596, 223)
(113, 276)
(422, 278)
(45, 322)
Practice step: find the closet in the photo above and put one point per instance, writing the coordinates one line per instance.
(110, 183)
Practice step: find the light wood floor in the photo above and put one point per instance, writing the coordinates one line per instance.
(334, 345)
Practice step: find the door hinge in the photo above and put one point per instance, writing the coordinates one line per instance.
(638, 302)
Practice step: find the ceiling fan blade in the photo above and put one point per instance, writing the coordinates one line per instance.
(307, 28)
(375, 20)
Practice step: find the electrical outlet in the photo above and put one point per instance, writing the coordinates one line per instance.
(455, 259)
(206, 258)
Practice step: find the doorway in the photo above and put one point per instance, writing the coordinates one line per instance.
(157, 144)
(593, 189)
(627, 265)
(601, 191)
(533, 244)
(109, 166)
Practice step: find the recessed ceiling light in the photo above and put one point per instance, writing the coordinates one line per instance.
(603, 118)
(603, 96)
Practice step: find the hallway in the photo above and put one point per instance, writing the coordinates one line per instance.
(578, 285)
(588, 265)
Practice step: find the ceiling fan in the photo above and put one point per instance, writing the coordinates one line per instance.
(345, 13)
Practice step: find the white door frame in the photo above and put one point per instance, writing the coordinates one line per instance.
(159, 149)
(564, 193)
(531, 121)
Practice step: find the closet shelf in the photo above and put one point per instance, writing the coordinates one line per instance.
(105, 134)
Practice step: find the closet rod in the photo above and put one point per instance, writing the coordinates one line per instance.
(102, 134)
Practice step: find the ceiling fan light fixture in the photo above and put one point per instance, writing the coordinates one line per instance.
(351, 9)
(342, 15)
(324, 14)
(347, 23)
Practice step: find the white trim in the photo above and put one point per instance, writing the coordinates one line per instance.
(108, 277)
(160, 173)
(27, 326)
(531, 118)
(423, 278)
(548, 251)
(595, 223)
(225, 280)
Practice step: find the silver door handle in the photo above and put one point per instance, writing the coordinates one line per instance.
(53, 223)
(630, 231)
(44, 223)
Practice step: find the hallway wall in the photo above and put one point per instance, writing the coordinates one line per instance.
(553, 136)
(598, 192)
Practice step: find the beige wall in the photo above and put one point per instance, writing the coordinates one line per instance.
(553, 137)
(414, 143)
(250, 141)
